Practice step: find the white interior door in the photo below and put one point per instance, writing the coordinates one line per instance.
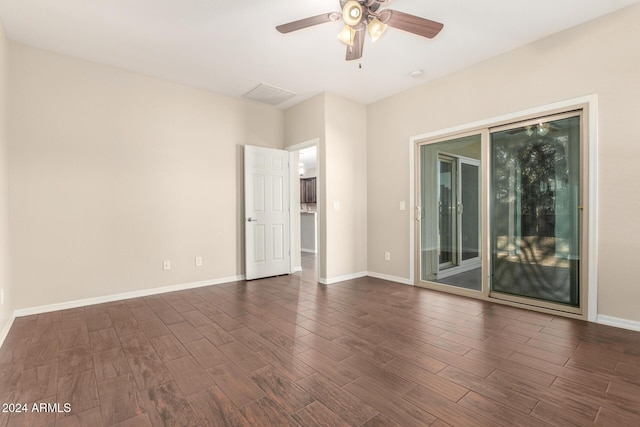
(266, 207)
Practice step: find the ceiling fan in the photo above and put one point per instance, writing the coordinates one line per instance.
(366, 15)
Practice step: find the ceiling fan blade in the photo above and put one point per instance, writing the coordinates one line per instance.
(385, 2)
(413, 24)
(308, 22)
(355, 51)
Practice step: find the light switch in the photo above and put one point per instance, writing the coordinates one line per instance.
(403, 206)
(336, 206)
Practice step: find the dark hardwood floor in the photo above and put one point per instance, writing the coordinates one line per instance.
(287, 351)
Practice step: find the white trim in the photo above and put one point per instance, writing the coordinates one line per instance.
(517, 116)
(310, 251)
(292, 213)
(7, 327)
(592, 101)
(618, 322)
(315, 142)
(412, 209)
(402, 280)
(332, 280)
(296, 269)
(592, 273)
(126, 295)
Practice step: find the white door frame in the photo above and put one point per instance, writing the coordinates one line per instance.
(295, 209)
(472, 263)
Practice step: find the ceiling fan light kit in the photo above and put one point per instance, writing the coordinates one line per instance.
(352, 13)
(376, 29)
(347, 35)
(359, 15)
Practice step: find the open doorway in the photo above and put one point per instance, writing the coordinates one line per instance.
(305, 212)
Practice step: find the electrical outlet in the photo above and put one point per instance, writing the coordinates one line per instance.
(166, 265)
(387, 256)
(198, 261)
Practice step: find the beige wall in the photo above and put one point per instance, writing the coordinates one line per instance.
(344, 167)
(306, 122)
(600, 57)
(112, 172)
(5, 279)
(339, 125)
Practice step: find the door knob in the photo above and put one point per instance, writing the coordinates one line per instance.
(252, 219)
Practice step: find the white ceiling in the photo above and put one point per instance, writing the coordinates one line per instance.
(230, 46)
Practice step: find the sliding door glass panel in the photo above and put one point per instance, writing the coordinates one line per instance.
(535, 223)
(447, 223)
(470, 211)
(450, 214)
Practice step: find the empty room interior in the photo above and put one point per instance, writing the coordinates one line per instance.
(329, 213)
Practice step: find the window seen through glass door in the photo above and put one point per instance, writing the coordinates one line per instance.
(450, 219)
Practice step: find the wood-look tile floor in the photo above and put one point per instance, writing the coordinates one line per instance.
(286, 351)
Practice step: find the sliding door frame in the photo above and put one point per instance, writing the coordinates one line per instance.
(582, 230)
(459, 266)
(589, 226)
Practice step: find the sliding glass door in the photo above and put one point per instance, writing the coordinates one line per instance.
(535, 211)
(450, 196)
(520, 204)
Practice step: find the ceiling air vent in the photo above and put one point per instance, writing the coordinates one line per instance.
(268, 94)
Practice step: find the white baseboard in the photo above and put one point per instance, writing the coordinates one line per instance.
(618, 322)
(396, 279)
(127, 295)
(309, 251)
(296, 269)
(6, 329)
(332, 280)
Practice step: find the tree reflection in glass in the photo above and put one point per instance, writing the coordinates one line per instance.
(535, 175)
